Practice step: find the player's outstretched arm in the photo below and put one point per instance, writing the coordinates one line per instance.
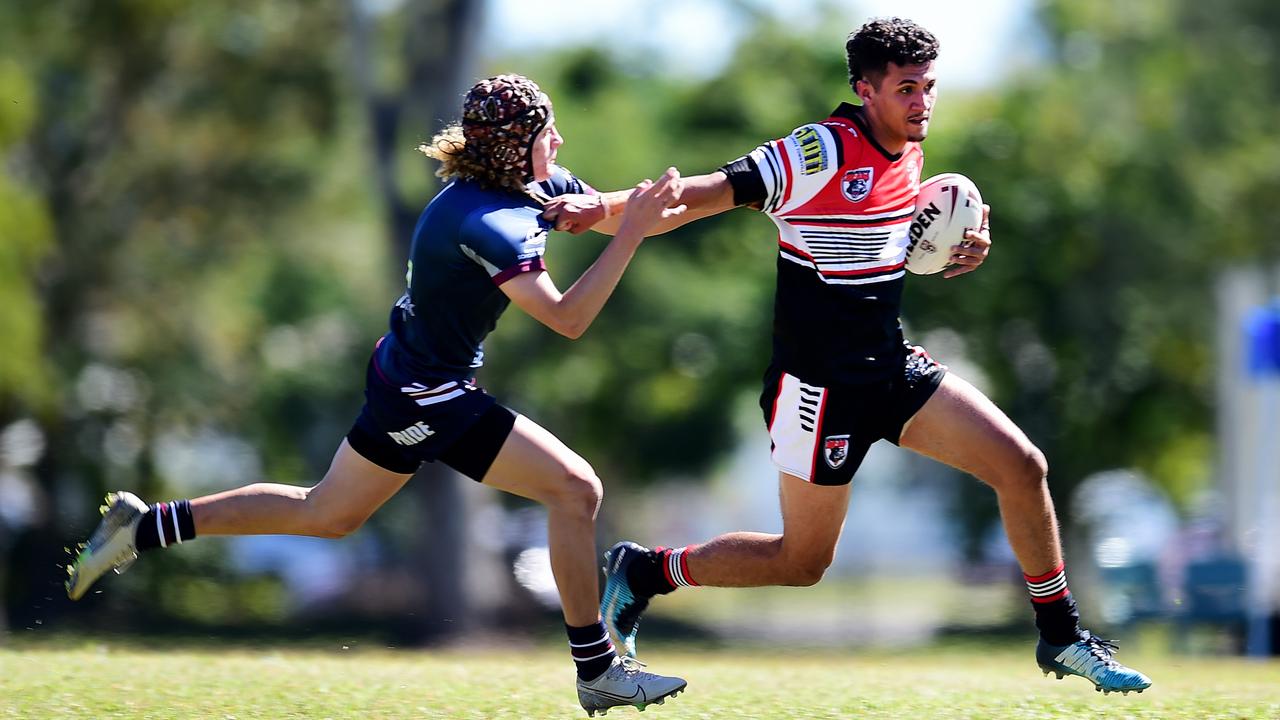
(571, 313)
(704, 195)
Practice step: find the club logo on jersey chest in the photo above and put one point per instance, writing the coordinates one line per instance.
(835, 449)
(856, 184)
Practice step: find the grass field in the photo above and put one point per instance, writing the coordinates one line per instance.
(111, 680)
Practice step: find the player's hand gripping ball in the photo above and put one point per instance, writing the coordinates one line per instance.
(948, 205)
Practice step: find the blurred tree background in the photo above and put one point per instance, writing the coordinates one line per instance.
(202, 214)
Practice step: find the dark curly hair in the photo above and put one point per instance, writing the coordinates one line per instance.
(881, 41)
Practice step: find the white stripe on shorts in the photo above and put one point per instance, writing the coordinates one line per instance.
(797, 418)
(440, 398)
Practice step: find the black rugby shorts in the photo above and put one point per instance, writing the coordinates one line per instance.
(456, 422)
(822, 434)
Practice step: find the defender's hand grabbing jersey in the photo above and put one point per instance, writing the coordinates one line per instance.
(843, 207)
(421, 403)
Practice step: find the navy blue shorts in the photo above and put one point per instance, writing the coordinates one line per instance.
(821, 434)
(453, 421)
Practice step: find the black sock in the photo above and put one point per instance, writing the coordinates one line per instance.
(165, 524)
(1056, 613)
(1058, 621)
(648, 575)
(592, 649)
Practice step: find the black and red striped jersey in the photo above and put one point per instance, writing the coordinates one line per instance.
(843, 206)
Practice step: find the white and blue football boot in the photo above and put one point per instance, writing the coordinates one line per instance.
(1093, 659)
(620, 606)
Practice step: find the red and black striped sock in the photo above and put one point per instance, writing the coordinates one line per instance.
(675, 567)
(1056, 613)
(165, 524)
(661, 571)
(592, 649)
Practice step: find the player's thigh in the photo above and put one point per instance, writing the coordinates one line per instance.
(535, 464)
(354, 486)
(962, 427)
(812, 516)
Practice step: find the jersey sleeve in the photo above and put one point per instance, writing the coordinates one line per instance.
(785, 172)
(505, 242)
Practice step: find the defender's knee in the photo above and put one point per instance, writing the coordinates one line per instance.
(338, 525)
(342, 527)
(580, 491)
(1037, 466)
(1032, 469)
(332, 523)
(1026, 472)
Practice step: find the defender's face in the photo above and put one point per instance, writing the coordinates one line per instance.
(545, 146)
(901, 107)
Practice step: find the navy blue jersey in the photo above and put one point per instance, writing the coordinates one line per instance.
(468, 241)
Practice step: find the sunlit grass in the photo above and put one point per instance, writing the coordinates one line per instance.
(845, 612)
(110, 680)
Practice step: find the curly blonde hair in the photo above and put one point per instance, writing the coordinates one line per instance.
(457, 160)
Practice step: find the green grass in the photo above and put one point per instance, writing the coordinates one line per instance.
(112, 680)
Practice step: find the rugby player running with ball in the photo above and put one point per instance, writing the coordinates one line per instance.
(842, 193)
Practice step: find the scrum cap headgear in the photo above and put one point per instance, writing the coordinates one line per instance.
(501, 117)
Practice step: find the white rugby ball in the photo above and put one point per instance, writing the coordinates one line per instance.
(948, 205)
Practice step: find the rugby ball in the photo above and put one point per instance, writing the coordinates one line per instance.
(948, 205)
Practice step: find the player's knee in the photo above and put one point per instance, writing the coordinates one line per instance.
(339, 525)
(1033, 469)
(580, 491)
(332, 522)
(1023, 471)
(807, 575)
(1039, 463)
(809, 569)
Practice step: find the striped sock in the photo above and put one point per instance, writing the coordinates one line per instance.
(592, 649)
(675, 566)
(1056, 613)
(165, 524)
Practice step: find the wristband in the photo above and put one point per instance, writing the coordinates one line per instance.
(604, 202)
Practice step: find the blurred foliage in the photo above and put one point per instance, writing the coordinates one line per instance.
(183, 176)
(1122, 178)
(25, 239)
(182, 154)
(191, 254)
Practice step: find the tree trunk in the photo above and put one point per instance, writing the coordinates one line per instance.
(438, 55)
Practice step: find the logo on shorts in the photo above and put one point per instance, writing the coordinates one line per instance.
(856, 184)
(413, 434)
(836, 450)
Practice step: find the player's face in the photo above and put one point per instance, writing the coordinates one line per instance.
(901, 106)
(544, 150)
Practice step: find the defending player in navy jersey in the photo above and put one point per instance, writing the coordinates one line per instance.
(478, 247)
(841, 192)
